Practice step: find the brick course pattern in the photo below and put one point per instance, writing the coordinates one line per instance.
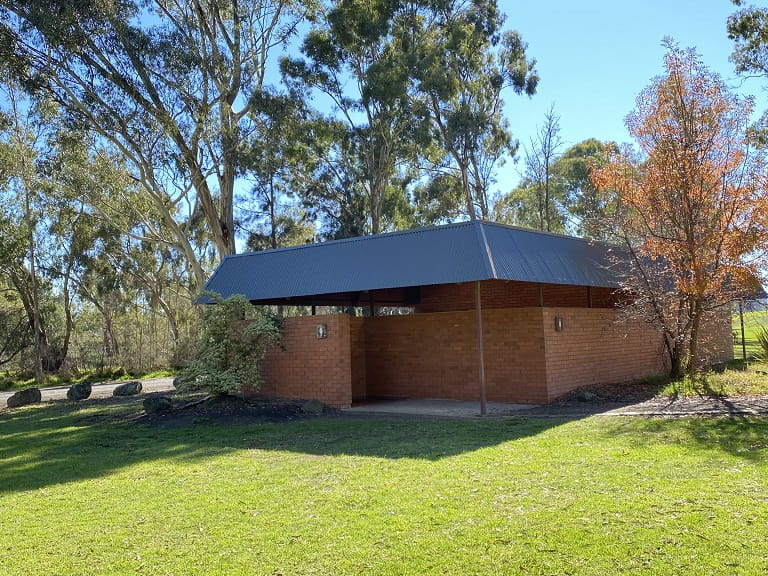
(511, 294)
(434, 355)
(305, 366)
(593, 348)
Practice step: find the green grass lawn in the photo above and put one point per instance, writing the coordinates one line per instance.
(83, 491)
(753, 322)
(737, 378)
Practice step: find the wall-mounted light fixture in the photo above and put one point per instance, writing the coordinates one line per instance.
(321, 331)
(558, 323)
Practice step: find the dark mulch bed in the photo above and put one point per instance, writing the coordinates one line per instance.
(233, 410)
(627, 393)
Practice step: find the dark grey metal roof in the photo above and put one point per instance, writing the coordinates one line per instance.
(462, 252)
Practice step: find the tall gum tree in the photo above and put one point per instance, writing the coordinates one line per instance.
(166, 82)
(465, 64)
(357, 58)
(693, 205)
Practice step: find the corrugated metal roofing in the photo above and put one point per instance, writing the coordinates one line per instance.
(461, 252)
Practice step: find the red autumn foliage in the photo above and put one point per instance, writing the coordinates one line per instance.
(693, 209)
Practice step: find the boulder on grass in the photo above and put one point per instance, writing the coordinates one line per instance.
(79, 391)
(585, 396)
(314, 407)
(127, 389)
(157, 404)
(24, 397)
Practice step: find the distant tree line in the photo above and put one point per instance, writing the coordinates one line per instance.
(142, 141)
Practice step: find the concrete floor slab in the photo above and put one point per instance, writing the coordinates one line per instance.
(436, 407)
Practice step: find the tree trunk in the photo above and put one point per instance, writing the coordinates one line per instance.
(677, 361)
(67, 314)
(693, 344)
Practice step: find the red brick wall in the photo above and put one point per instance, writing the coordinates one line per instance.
(435, 355)
(514, 346)
(593, 349)
(420, 356)
(493, 293)
(511, 294)
(357, 346)
(308, 367)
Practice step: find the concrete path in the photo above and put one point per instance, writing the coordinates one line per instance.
(436, 407)
(102, 390)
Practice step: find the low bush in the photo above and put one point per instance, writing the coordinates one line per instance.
(234, 336)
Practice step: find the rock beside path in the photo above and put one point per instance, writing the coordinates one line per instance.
(24, 397)
(79, 391)
(127, 389)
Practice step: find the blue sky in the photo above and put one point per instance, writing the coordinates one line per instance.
(595, 56)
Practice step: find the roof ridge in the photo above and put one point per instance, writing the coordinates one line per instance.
(356, 238)
(545, 233)
(487, 254)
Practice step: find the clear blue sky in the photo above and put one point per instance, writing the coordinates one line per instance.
(595, 56)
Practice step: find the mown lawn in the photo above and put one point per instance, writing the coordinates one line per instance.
(753, 322)
(82, 492)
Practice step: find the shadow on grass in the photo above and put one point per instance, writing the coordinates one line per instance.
(743, 437)
(66, 442)
(63, 442)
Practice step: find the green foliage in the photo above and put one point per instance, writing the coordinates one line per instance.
(383, 121)
(576, 205)
(465, 64)
(748, 28)
(762, 339)
(234, 336)
(169, 86)
(588, 209)
(525, 206)
(439, 200)
(736, 378)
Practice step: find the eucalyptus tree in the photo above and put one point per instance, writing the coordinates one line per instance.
(577, 206)
(167, 83)
(15, 333)
(23, 130)
(748, 28)
(280, 163)
(466, 61)
(590, 211)
(524, 206)
(438, 200)
(356, 59)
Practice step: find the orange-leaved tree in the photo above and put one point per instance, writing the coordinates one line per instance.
(693, 207)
